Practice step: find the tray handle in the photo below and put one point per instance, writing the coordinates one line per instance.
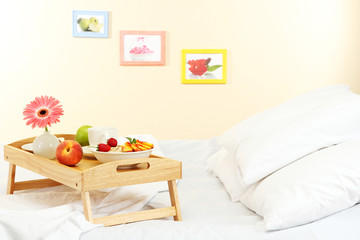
(127, 165)
(133, 166)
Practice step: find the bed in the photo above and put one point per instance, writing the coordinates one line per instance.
(207, 210)
(209, 207)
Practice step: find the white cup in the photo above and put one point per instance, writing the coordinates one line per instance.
(99, 135)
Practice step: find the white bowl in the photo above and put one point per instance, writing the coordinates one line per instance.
(105, 157)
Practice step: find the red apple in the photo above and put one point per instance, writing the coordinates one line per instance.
(69, 152)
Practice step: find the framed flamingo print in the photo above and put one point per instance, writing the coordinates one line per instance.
(203, 66)
(142, 48)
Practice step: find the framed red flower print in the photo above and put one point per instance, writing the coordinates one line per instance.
(203, 66)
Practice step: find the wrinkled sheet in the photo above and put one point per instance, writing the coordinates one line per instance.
(57, 212)
(206, 208)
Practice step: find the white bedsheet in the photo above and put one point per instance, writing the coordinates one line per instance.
(206, 208)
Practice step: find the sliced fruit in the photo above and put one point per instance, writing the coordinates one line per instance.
(126, 148)
(150, 145)
(142, 148)
(135, 147)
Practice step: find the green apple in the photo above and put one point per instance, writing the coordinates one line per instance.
(94, 20)
(82, 135)
(83, 23)
(95, 27)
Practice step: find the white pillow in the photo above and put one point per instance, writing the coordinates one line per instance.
(225, 168)
(274, 138)
(311, 188)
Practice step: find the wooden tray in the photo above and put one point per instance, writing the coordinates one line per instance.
(90, 174)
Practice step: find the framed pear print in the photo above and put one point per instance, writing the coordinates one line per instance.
(90, 24)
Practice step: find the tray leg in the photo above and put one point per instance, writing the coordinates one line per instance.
(85, 196)
(111, 220)
(174, 199)
(11, 179)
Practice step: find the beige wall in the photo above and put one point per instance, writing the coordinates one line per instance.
(277, 49)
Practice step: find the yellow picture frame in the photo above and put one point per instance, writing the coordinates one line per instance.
(204, 66)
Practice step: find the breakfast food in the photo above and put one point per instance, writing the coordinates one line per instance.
(82, 136)
(112, 142)
(133, 145)
(102, 147)
(69, 153)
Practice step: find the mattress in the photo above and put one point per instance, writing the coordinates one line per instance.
(207, 210)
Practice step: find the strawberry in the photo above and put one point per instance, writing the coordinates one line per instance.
(112, 142)
(102, 147)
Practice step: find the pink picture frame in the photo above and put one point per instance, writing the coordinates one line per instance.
(142, 48)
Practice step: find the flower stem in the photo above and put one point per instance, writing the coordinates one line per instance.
(46, 129)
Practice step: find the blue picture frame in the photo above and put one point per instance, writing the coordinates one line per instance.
(98, 27)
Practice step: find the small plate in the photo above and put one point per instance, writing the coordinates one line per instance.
(27, 147)
(87, 151)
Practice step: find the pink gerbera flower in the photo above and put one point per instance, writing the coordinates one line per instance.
(43, 111)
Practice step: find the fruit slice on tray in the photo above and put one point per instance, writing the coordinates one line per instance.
(135, 145)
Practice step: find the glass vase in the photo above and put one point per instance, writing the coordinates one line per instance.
(45, 145)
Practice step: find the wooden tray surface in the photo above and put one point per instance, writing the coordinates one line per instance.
(91, 174)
